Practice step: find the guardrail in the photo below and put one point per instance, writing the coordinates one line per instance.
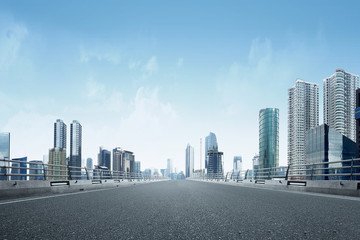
(21, 170)
(335, 170)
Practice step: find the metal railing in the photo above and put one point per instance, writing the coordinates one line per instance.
(21, 170)
(336, 170)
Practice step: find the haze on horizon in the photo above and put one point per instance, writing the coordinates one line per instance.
(153, 76)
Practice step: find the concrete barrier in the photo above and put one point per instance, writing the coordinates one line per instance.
(17, 189)
(336, 187)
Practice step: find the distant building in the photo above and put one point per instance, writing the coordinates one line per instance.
(89, 163)
(340, 102)
(326, 145)
(137, 169)
(128, 163)
(104, 158)
(117, 161)
(4, 154)
(36, 168)
(269, 138)
(169, 169)
(210, 144)
(19, 168)
(57, 157)
(357, 118)
(215, 167)
(256, 163)
(147, 173)
(60, 134)
(163, 172)
(237, 167)
(75, 148)
(189, 160)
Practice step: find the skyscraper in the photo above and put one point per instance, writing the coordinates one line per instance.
(117, 160)
(357, 118)
(189, 160)
(75, 147)
(104, 158)
(210, 144)
(60, 134)
(57, 169)
(215, 167)
(303, 114)
(340, 102)
(137, 169)
(169, 169)
(269, 138)
(89, 163)
(4, 154)
(237, 164)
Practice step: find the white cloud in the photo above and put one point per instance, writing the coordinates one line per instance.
(151, 66)
(134, 64)
(180, 62)
(107, 55)
(12, 34)
(94, 88)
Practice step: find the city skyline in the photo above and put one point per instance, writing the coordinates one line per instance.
(151, 83)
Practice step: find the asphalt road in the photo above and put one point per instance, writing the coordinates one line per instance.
(182, 210)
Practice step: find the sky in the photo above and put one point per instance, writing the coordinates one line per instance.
(153, 76)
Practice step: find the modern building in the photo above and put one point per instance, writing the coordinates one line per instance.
(255, 163)
(237, 167)
(104, 158)
(357, 119)
(117, 160)
(169, 169)
(137, 170)
(210, 144)
(4, 154)
(60, 134)
(147, 173)
(269, 138)
(75, 148)
(89, 163)
(215, 166)
(340, 102)
(325, 145)
(128, 163)
(189, 160)
(19, 168)
(36, 171)
(303, 114)
(57, 168)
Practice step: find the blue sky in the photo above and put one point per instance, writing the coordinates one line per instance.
(152, 76)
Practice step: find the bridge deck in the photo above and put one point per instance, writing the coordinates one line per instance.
(182, 210)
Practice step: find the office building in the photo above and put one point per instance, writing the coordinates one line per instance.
(326, 145)
(340, 102)
(237, 163)
(128, 163)
(4, 154)
(303, 114)
(57, 169)
(60, 134)
(117, 160)
(19, 168)
(255, 163)
(36, 170)
(215, 166)
(189, 160)
(210, 144)
(357, 119)
(169, 169)
(269, 138)
(75, 148)
(89, 163)
(104, 158)
(137, 169)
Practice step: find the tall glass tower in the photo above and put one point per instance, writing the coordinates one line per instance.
(269, 138)
(189, 160)
(340, 102)
(303, 114)
(75, 146)
(59, 134)
(4, 154)
(210, 144)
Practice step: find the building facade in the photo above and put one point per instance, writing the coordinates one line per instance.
(89, 163)
(104, 158)
(137, 170)
(19, 168)
(269, 138)
(75, 147)
(340, 102)
(60, 130)
(169, 169)
(210, 144)
(189, 160)
(325, 145)
(36, 171)
(4, 154)
(303, 114)
(215, 165)
(57, 168)
(357, 119)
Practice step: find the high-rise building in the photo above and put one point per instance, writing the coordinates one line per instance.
(104, 158)
(4, 154)
(89, 163)
(189, 160)
(57, 168)
(215, 166)
(117, 160)
(137, 169)
(357, 118)
(169, 169)
(128, 163)
(303, 114)
(340, 102)
(326, 145)
(36, 168)
(269, 138)
(75, 147)
(19, 168)
(60, 134)
(210, 144)
(237, 163)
